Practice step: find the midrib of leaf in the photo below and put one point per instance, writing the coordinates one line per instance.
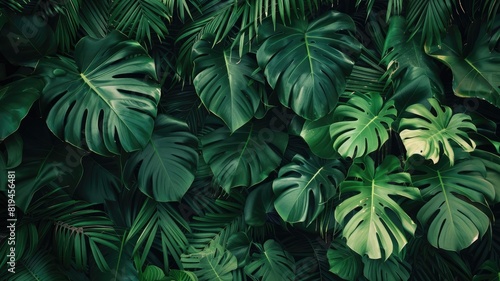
(372, 204)
(245, 146)
(445, 195)
(158, 155)
(307, 184)
(229, 78)
(309, 55)
(269, 261)
(215, 271)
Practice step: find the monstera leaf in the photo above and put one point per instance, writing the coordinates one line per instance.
(245, 157)
(455, 211)
(16, 99)
(303, 187)
(360, 126)
(225, 82)
(374, 222)
(343, 261)
(474, 74)
(393, 268)
(167, 165)
(103, 99)
(271, 263)
(427, 134)
(307, 63)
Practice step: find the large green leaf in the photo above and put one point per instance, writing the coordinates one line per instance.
(213, 264)
(360, 126)
(317, 135)
(307, 63)
(41, 266)
(304, 186)
(271, 263)
(373, 220)
(245, 157)
(225, 82)
(428, 133)
(167, 165)
(475, 74)
(491, 162)
(11, 158)
(414, 74)
(343, 261)
(104, 99)
(16, 99)
(27, 39)
(393, 268)
(456, 211)
(258, 204)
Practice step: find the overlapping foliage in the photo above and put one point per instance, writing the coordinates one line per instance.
(251, 140)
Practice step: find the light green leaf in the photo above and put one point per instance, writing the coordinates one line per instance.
(245, 157)
(374, 221)
(304, 186)
(455, 212)
(428, 134)
(167, 165)
(360, 126)
(225, 82)
(99, 100)
(307, 63)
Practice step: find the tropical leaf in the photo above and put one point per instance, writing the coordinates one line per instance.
(245, 157)
(152, 273)
(68, 23)
(214, 263)
(45, 161)
(428, 134)
(393, 268)
(160, 221)
(14, 5)
(411, 71)
(29, 39)
(140, 19)
(239, 244)
(167, 165)
(343, 261)
(360, 126)
(16, 99)
(491, 162)
(101, 179)
(317, 135)
(490, 271)
(307, 63)
(258, 204)
(225, 82)
(41, 265)
(181, 275)
(431, 17)
(11, 158)
(373, 222)
(271, 263)
(106, 104)
(94, 17)
(456, 212)
(304, 186)
(475, 74)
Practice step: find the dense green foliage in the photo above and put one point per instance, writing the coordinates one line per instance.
(250, 140)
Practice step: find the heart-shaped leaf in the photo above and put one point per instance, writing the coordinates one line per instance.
(104, 99)
(307, 63)
(225, 82)
(304, 186)
(166, 166)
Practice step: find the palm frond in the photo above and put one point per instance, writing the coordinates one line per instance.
(14, 5)
(429, 16)
(159, 221)
(40, 266)
(94, 17)
(140, 19)
(68, 24)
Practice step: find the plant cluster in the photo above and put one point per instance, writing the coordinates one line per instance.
(251, 139)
